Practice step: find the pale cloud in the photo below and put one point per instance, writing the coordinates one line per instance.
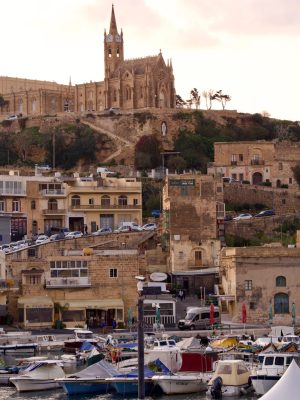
(247, 48)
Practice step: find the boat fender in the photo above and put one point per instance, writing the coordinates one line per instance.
(216, 388)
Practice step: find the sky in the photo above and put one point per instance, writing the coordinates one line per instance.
(249, 49)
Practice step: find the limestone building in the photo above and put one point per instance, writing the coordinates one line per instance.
(257, 161)
(128, 84)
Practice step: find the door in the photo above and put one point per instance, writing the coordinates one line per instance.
(107, 221)
(76, 224)
(257, 178)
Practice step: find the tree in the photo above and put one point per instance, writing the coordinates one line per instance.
(147, 153)
(296, 172)
(223, 98)
(195, 97)
(3, 102)
(176, 162)
(180, 103)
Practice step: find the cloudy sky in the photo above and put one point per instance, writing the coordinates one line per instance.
(247, 48)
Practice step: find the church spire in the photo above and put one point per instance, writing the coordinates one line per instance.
(113, 24)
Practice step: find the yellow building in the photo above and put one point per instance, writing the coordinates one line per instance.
(42, 204)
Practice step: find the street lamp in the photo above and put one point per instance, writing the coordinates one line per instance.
(141, 379)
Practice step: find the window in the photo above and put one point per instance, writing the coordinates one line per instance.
(52, 204)
(241, 177)
(241, 157)
(233, 159)
(184, 190)
(75, 201)
(234, 176)
(91, 202)
(248, 285)
(279, 360)
(38, 315)
(280, 281)
(34, 279)
(281, 303)
(33, 204)
(113, 273)
(105, 200)
(135, 202)
(280, 166)
(122, 201)
(269, 361)
(2, 205)
(242, 369)
(16, 206)
(290, 180)
(252, 305)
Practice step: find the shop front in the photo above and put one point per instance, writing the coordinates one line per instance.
(35, 312)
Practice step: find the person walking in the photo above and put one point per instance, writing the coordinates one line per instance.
(180, 294)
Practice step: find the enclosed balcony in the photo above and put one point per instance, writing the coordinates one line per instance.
(64, 283)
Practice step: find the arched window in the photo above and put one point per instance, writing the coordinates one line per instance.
(281, 281)
(20, 105)
(122, 201)
(281, 303)
(109, 52)
(33, 204)
(75, 201)
(105, 200)
(33, 105)
(52, 204)
(34, 228)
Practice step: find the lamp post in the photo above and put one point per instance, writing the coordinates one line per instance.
(141, 378)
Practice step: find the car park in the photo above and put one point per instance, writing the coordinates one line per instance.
(265, 213)
(42, 239)
(74, 235)
(102, 231)
(242, 217)
(151, 226)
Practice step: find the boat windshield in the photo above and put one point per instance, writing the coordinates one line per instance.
(190, 316)
(224, 369)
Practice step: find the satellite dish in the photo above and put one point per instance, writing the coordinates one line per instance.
(158, 276)
(140, 277)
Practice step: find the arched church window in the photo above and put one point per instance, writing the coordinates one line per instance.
(118, 52)
(33, 105)
(109, 52)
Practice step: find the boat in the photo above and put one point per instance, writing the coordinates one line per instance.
(231, 378)
(90, 380)
(80, 336)
(180, 383)
(7, 372)
(272, 367)
(18, 348)
(39, 375)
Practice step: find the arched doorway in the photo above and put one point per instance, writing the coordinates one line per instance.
(257, 178)
(281, 303)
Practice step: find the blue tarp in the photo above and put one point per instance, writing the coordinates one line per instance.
(148, 373)
(86, 346)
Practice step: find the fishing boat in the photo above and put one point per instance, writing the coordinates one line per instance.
(231, 378)
(90, 380)
(39, 375)
(272, 367)
(80, 336)
(180, 383)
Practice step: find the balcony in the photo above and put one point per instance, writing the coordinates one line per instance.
(233, 162)
(64, 283)
(54, 212)
(12, 192)
(105, 207)
(257, 162)
(53, 192)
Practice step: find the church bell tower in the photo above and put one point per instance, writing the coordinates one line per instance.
(113, 47)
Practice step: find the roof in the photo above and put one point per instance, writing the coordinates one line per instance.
(136, 64)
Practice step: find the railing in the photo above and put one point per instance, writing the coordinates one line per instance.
(257, 162)
(53, 192)
(102, 207)
(68, 282)
(57, 211)
(164, 319)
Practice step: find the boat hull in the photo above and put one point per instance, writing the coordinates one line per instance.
(29, 385)
(131, 388)
(263, 383)
(72, 388)
(181, 386)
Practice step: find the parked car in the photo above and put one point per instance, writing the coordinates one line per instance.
(155, 213)
(228, 218)
(123, 229)
(228, 179)
(5, 248)
(265, 213)
(12, 118)
(74, 235)
(102, 231)
(243, 216)
(151, 226)
(57, 236)
(42, 239)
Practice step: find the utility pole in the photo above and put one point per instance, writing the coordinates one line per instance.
(141, 344)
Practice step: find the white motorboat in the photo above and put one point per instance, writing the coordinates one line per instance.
(180, 383)
(231, 378)
(39, 375)
(272, 367)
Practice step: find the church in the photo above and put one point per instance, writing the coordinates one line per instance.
(132, 84)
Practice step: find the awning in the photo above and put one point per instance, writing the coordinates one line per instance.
(203, 271)
(34, 301)
(95, 304)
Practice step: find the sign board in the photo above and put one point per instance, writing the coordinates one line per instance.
(182, 182)
(151, 290)
(158, 276)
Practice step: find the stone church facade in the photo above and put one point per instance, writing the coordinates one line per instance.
(128, 84)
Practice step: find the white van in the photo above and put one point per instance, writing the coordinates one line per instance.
(199, 318)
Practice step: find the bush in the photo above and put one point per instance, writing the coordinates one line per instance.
(266, 184)
(246, 182)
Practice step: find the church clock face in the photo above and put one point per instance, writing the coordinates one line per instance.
(118, 38)
(109, 38)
